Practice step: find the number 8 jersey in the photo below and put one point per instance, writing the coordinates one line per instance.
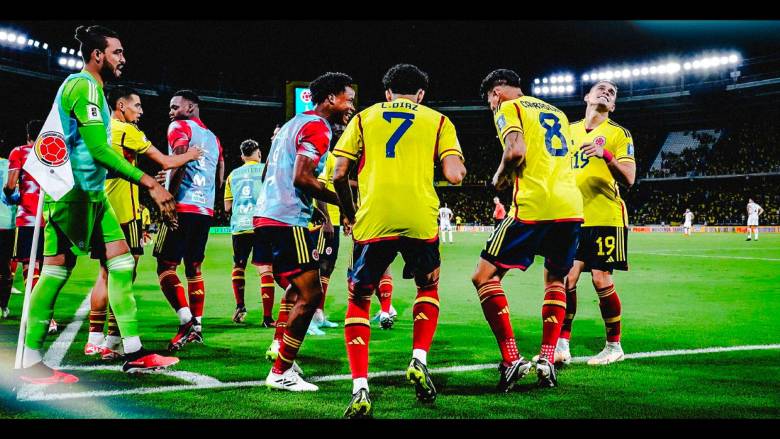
(396, 145)
(545, 187)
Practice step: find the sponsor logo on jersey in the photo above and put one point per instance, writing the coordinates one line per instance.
(199, 180)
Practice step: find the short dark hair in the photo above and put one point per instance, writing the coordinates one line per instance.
(603, 80)
(34, 128)
(118, 93)
(499, 77)
(330, 83)
(248, 147)
(405, 79)
(188, 95)
(91, 38)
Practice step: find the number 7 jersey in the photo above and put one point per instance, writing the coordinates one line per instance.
(396, 145)
(545, 187)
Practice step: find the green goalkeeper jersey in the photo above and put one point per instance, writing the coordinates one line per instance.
(86, 123)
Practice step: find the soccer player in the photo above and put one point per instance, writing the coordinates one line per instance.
(83, 218)
(605, 158)
(128, 141)
(194, 185)
(753, 212)
(544, 219)
(396, 143)
(499, 213)
(21, 189)
(445, 217)
(284, 210)
(7, 229)
(687, 221)
(241, 192)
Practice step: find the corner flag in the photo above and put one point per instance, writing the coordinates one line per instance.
(50, 162)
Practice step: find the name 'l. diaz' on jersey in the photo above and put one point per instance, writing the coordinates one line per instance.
(600, 191)
(545, 188)
(198, 186)
(306, 134)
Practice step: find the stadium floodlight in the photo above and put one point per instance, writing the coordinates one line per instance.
(626, 73)
(72, 52)
(553, 79)
(635, 72)
(536, 81)
(63, 61)
(80, 53)
(30, 42)
(644, 71)
(80, 65)
(537, 90)
(696, 64)
(3, 35)
(11, 37)
(733, 58)
(64, 50)
(45, 46)
(21, 39)
(570, 88)
(653, 70)
(569, 78)
(586, 77)
(37, 44)
(687, 66)
(545, 90)
(71, 63)
(544, 80)
(618, 74)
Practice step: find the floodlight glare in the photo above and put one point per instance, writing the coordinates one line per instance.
(553, 79)
(626, 73)
(569, 78)
(30, 42)
(72, 52)
(545, 89)
(570, 88)
(3, 35)
(653, 69)
(536, 81)
(537, 90)
(71, 63)
(80, 53)
(11, 37)
(544, 81)
(63, 61)
(21, 39)
(79, 65)
(64, 49)
(635, 72)
(733, 58)
(687, 66)
(45, 46)
(586, 77)
(644, 71)
(37, 44)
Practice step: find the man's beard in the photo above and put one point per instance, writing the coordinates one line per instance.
(108, 73)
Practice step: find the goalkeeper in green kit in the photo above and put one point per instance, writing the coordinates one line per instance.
(82, 221)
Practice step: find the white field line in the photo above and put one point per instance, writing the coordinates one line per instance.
(346, 377)
(705, 256)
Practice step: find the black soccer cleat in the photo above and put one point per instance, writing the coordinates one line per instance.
(418, 375)
(513, 373)
(182, 336)
(360, 406)
(545, 370)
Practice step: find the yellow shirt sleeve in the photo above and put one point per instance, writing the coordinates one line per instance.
(507, 120)
(135, 139)
(228, 191)
(624, 146)
(350, 144)
(448, 141)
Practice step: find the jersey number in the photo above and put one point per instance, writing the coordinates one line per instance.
(551, 131)
(408, 119)
(579, 160)
(608, 242)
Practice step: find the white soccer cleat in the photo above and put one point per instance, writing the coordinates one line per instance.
(289, 380)
(611, 353)
(393, 313)
(273, 351)
(562, 353)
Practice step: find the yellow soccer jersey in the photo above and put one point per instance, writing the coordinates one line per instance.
(129, 141)
(396, 144)
(146, 218)
(545, 188)
(600, 192)
(326, 177)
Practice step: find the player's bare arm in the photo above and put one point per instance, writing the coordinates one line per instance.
(221, 173)
(453, 169)
(11, 184)
(180, 147)
(305, 180)
(624, 172)
(513, 157)
(327, 225)
(342, 184)
(175, 161)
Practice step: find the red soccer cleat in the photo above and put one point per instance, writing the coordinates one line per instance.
(40, 373)
(145, 360)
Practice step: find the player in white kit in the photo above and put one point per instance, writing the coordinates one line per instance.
(445, 215)
(687, 222)
(753, 211)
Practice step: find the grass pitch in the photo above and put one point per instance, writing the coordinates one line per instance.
(710, 290)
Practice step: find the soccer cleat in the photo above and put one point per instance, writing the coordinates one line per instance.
(328, 324)
(393, 313)
(386, 321)
(196, 336)
(611, 353)
(562, 354)
(111, 353)
(375, 319)
(513, 373)
(144, 360)
(418, 375)
(360, 406)
(239, 315)
(40, 373)
(92, 349)
(314, 330)
(182, 336)
(273, 351)
(268, 322)
(52, 326)
(545, 371)
(289, 380)
(6, 312)
(747, 239)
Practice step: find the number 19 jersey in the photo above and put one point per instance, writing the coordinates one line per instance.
(396, 145)
(545, 187)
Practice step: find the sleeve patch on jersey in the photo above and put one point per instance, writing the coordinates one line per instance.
(501, 122)
(630, 149)
(93, 113)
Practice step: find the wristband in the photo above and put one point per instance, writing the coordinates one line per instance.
(608, 157)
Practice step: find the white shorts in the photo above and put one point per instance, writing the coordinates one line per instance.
(752, 220)
(445, 227)
(687, 225)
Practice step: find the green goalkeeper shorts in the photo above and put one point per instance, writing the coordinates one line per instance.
(78, 226)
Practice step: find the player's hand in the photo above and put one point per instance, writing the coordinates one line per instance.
(161, 176)
(194, 153)
(347, 224)
(163, 199)
(592, 150)
(500, 181)
(317, 216)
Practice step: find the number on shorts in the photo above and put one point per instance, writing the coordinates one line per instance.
(608, 242)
